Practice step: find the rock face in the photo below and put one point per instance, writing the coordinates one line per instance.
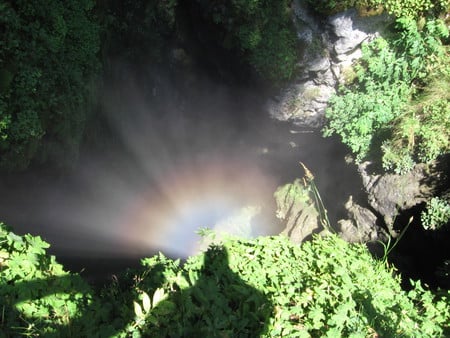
(390, 194)
(330, 46)
(361, 225)
(297, 210)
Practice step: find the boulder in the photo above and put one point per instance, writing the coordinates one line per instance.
(389, 194)
(344, 29)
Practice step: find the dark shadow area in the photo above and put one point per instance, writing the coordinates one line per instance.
(218, 304)
(94, 318)
(419, 253)
(383, 325)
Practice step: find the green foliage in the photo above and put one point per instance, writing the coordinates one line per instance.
(412, 8)
(398, 8)
(38, 296)
(399, 95)
(238, 288)
(326, 287)
(364, 109)
(436, 214)
(261, 30)
(47, 60)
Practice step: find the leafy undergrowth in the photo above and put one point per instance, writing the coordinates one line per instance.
(398, 104)
(237, 288)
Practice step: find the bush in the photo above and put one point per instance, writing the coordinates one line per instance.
(237, 288)
(436, 214)
(399, 95)
(398, 8)
(38, 296)
(412, 8)
(272, 288)
(47, 60)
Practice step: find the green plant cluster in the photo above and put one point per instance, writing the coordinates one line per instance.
(398, 8)
(436, 214)
(37, 296)
(412, 8)
(261, 30)
(237, 288)
(48, 56)
(399, 94)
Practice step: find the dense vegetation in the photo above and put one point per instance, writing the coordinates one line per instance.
(51, 55)
(399, 100)
(406, 8)
(237, 288)
(48, 60)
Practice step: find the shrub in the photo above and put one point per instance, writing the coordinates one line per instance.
(398, 8)
(412, 8)
(38, 296)
(436, 214)
(263, 287)
(325, 287)
(399, 95)
(361, 111)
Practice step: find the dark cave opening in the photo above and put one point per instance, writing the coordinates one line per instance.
(421, 254)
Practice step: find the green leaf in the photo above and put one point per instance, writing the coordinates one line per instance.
(137, 309)
(146, 302)
(158, 296)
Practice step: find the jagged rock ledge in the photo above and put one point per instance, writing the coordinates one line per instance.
(330, 46)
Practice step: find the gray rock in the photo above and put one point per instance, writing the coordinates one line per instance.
(391, 193)
(361, 225)
(329, 51)
(349, 37)
(319, 64)
(303, 104)
(297, 211)
(351, 30)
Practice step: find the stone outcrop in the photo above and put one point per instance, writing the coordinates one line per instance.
(389, 194)
(360, 225)
(297, 210)
(330, 46)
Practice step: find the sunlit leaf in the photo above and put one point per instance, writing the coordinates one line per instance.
(158, 296)
(146, 302)
(138, 310)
